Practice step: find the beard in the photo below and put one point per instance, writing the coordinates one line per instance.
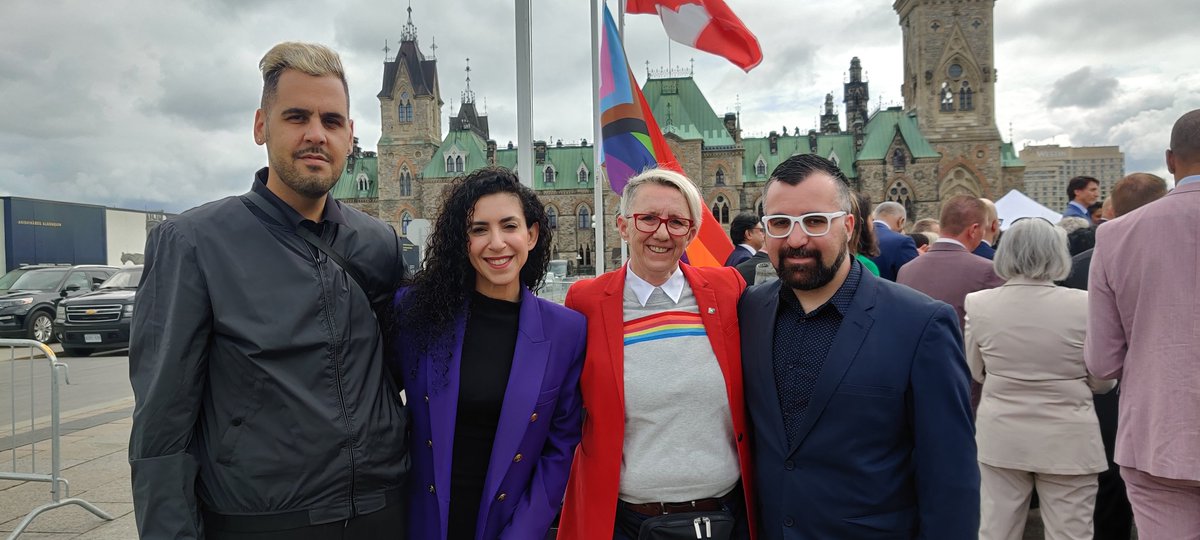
(300, 180)
(807, 277)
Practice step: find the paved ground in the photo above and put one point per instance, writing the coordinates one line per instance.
(95, 462)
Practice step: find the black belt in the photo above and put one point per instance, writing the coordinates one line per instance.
(281, 521)
(699, 505)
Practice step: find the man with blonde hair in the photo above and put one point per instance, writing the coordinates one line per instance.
(263, 409)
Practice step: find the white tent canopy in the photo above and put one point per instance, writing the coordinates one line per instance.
(1015, 205)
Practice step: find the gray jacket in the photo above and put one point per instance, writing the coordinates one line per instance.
(256, 363)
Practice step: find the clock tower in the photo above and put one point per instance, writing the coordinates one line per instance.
(949, 86)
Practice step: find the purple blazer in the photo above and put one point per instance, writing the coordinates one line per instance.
(540, 425)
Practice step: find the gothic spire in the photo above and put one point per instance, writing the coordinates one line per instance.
(410, 30)
(468, 96)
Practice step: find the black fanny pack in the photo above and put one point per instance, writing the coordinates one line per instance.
(688, 526)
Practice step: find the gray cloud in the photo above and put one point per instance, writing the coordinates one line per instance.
(149, 104)
(1082, 88)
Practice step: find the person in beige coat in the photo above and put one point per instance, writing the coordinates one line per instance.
(1036, 425)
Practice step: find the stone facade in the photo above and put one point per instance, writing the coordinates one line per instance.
(943, 142)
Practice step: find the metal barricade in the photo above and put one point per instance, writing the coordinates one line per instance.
(59, 488)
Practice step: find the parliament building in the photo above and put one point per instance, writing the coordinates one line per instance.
(942, 142)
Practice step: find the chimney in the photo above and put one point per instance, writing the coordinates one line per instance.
(774, 140)
(491, 152)
(539, 152)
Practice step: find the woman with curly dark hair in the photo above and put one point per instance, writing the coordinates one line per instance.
(862, 239)
(490, 371)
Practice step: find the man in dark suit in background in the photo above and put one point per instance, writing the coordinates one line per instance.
(1113, 515)
(746, 233)
(856, 387)
(1082, 191)
(986, 249)
(895, 247)
(749, 267)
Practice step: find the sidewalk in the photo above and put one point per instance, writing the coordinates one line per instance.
(95, 462)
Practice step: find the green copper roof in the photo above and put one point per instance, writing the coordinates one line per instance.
(1009, 157)
(564, 161)
(881, 130)
(465, 144)
(828, 146)
(349, 186)
(679, 107)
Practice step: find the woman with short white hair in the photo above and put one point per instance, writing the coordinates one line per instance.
(1036, 426)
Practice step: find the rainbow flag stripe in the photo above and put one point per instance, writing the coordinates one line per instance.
(665, 325)
(631, 142)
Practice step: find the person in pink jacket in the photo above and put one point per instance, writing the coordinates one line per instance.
(1144, 328)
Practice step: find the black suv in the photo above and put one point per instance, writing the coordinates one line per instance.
(32, 292)
(100, 319)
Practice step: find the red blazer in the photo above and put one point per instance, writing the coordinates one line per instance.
(589, 511)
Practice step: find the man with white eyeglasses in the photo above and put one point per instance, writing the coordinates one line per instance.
(856, 387)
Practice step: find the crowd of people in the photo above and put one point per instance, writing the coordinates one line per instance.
(843, 377)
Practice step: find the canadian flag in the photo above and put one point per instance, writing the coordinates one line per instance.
(708, 25)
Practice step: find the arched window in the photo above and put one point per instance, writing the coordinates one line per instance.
(947, 97)
(548, 174)
(552, 216)
(760, 167)
(720, 176)
(405, 219)
(405, 181)
(900, 192)
(449, 164)
(458, 164)
(583, 175)
(966, 97)
(899, 160)
(720, 210)
(405, 112)
(585, 217)
(364, 182)
(585, 254)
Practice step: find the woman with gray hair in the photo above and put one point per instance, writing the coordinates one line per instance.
(1036, 426)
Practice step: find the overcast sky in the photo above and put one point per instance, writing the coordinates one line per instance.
(149, 105)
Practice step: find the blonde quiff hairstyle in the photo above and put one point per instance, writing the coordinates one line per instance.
(668, 178)
(308, 58)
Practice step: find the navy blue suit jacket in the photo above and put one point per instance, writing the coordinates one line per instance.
(985, 251)
(1072, 211)
(887, 446)
(895, 250)
(737, 256)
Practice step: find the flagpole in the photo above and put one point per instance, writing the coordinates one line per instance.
(524, 92)
(598, 178)
(621, 33)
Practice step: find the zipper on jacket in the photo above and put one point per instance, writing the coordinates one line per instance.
(337, 368)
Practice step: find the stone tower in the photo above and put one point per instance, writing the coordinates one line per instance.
(855, 97)
(410, 106)
(949, 85)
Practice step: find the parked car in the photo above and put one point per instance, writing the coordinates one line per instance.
(27, 310)
(98, 320)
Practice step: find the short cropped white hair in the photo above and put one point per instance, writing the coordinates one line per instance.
(1035, 249)
(664, 177)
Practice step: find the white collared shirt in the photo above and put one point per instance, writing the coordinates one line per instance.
(749, 248)
(949, 241)
(642, 289)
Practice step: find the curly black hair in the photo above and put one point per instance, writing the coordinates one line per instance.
(439, 292)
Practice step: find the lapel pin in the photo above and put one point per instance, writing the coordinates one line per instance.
(712, 310)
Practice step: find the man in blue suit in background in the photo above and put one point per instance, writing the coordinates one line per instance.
(856, 387)
(895, 247)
